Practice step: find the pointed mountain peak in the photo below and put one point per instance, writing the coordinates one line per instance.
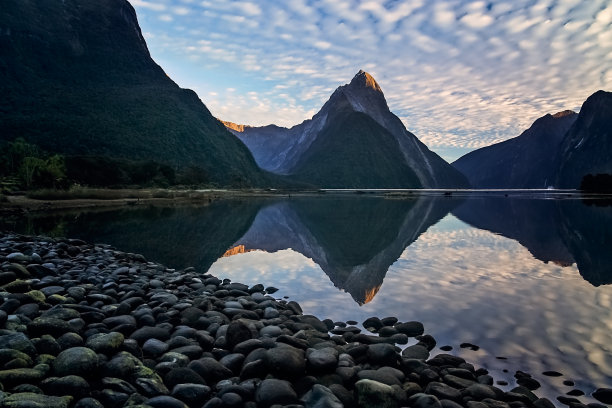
(365, 80)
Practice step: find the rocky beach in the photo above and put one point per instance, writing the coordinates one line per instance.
(84, 325)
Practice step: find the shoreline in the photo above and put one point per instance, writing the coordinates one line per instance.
(84, 322)
(98, 198)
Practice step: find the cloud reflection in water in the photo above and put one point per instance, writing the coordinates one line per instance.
(467, 285)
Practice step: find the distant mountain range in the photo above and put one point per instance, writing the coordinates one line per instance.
(353, 141)
(557, 150)
(76, 77)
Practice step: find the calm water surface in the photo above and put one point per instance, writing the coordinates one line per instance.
(525, 279)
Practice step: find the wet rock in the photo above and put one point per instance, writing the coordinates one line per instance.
(443, 391)
(105, 343)
(322, 360)
(191, 394)
(411, 329)
(273, 391)
(375, 394)
(80, 361)
(150, 332)
(32, 400)
(603, 395)
(321, 397)
(154, 347)
(382, 354)
(383, 376)
(529, 383)
(182, 375)
(165, 401)
(210, 369)
(70, 385)
(286, 361)
(422, 400)
(237, 332)
(417, 352)
(88, 403)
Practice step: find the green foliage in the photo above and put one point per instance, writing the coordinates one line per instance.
(32, 166)
(100, 171)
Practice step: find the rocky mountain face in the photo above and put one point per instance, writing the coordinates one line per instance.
(526, 161)
(76, 78)
(353, 141)
(587, 146)
(557, 150)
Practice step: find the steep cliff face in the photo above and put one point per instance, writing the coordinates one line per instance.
(330, 147)
(526, 161)
(587, 147)
(76, 77)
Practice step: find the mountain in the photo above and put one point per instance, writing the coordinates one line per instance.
(76, 77)
(347, 238)
(526, 161)
(587, 147)
(354, 141)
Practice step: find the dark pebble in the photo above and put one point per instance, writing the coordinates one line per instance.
(552, 374)
(603, 395)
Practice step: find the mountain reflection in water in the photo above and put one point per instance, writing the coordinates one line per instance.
(559, 231)
(349, 239)
(522, 278)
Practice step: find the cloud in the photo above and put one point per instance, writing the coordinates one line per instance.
(142, 4)
(477, 20)
(459, 73)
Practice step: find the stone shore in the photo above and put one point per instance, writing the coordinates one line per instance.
(88, 326)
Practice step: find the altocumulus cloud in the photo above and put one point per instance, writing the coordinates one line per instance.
(459, 73)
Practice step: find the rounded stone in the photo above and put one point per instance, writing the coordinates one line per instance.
(321, 360)
(382, 354)
(603, 395)
(375, 394)
(273, 391)
(105, 343)
(286, 361)
(321, 397)
(165, 401)
(154, 347)
(81, 361)
(411, 329)
(191, 394)
(182, 375)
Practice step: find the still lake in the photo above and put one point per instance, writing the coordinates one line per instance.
(524, 278)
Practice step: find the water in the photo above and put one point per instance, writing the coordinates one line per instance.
(524, 279)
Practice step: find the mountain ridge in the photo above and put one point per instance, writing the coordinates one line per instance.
(282, 150)
(77, 78)
(525, 161)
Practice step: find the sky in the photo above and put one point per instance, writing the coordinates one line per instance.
(460, 74)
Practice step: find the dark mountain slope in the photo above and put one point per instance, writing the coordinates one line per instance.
(526, 161)
(587, 147)
(76, 78)
(354, 151)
